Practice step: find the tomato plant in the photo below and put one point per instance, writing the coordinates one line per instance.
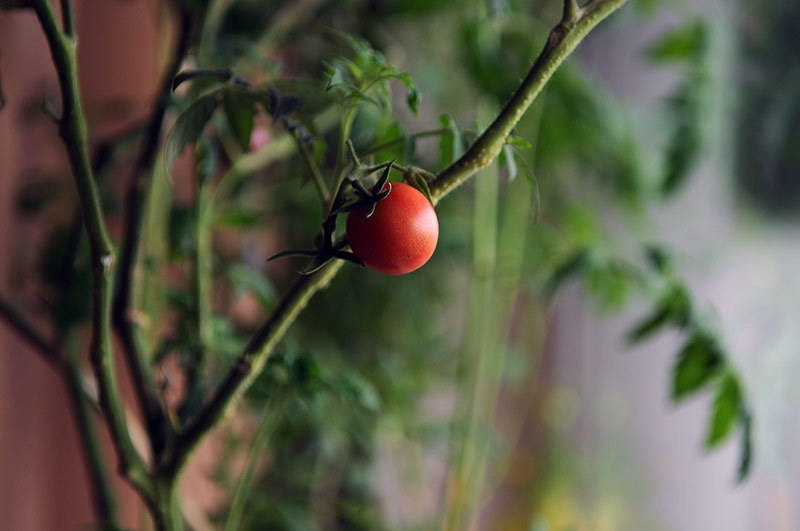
(400, 235)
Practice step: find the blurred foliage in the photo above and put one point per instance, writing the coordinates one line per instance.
(367, 351)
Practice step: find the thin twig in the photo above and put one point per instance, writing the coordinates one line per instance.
(72, 127)
(136, 199)
(560, 44)
(26, 331)
(400, 140)
(102, 495)
(67, 19)
(248, 365)
(272, 414)
(313, 171)
(572, 12)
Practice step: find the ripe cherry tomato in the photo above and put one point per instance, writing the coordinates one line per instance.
(401, 234)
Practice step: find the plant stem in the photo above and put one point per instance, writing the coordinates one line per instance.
(67, 18)
(272, 414)
(313, 172)
(247, 366)
(26, 331)
(72, 128)
(101, 491)
(562, 41)
(480, 354)
(136, 200)
(341, 155)
(400, 140)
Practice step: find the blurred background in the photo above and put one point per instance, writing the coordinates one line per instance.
(495, 388)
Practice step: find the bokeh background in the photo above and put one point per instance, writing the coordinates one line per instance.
(384, 382)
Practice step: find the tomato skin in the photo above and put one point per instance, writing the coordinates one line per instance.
(401, 234)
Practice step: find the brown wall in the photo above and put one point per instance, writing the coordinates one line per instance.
(43, 485)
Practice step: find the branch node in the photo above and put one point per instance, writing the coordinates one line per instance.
(572, 12)
(107, 261)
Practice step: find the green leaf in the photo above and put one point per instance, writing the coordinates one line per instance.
(658, 258)
(519, 142)
(451, 143)
(412, 94)
(685, 144)
(221, 75)
(507, 159)
(182, 230)
(746, 456)
(240, 111)
(207, 163)
(698, 363)
(189, 125)
(238, 219)
(683, 44)
(674, 308)
(610, 284)
(725, 410)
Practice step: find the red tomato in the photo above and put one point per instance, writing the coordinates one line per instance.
(401, 234)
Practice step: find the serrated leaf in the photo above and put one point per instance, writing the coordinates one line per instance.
(190, 125)
(698, 363)
(725, 409)
(240, 112)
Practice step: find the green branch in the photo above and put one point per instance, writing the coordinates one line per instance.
(72, 128)
(247, 366)
(136, 199)
(561, 42)
(563, 39)
(313, 172)
(102, 494)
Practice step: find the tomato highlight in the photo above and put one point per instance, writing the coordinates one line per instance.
(401, 234)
